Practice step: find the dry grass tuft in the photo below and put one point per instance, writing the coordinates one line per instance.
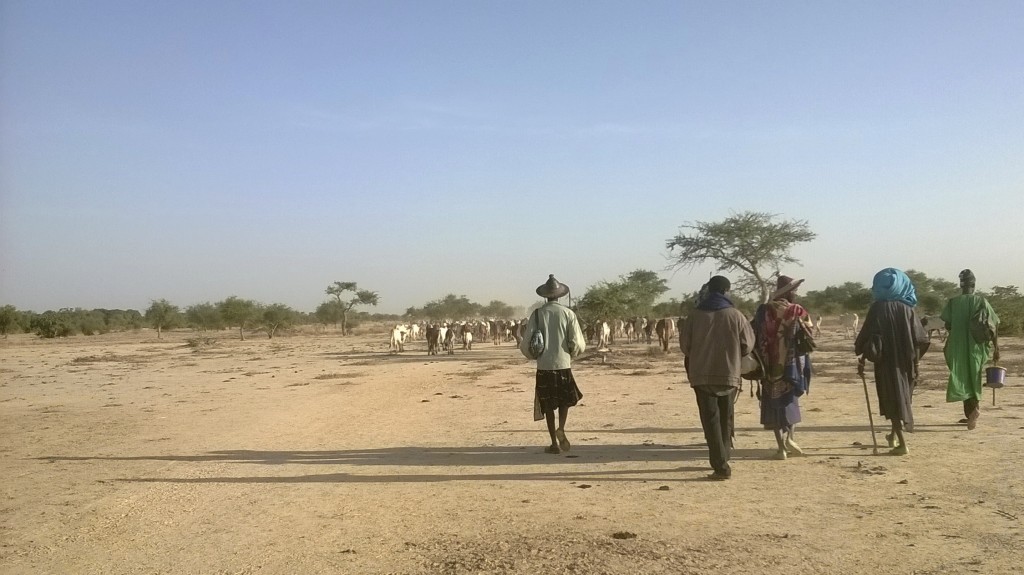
(107, 357)
(200, 343)
(353, 375)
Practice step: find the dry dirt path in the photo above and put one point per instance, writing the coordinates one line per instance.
(316, 454)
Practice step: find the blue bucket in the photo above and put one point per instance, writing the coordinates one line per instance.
(995, 377)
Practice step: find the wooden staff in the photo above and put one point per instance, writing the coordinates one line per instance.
(867, 398)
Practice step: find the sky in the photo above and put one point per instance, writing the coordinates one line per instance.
(192, 150)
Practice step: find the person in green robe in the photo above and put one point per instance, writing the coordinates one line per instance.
(967, 351)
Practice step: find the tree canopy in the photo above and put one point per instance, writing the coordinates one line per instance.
(238, 312)
(360, 297)
(753, 243)
(162, 314)
(632, 295)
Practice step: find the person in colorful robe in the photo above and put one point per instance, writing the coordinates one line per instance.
(784, 341)
(894, 340)
(966, 351)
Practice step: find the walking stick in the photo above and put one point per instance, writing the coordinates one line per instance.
(867, 398)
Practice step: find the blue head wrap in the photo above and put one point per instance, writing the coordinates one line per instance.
(892, 284)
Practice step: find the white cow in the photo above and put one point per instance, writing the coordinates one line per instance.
(849, 322)
(604, 335)
(448, 343)
(414, 332)
(618, 329)
(397, 344)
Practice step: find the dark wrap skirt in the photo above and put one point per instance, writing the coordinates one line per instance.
(556, 388)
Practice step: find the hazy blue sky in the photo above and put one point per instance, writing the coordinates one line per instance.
(193, 150)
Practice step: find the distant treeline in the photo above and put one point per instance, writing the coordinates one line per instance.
(630, 296)
(245, 315)
(932, 295)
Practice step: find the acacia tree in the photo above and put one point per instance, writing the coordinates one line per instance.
(277, 316)
(640, 288)
(753, 243)
(204, 316)
(632, 295)
(603, 301)
(361, 297)
(932, 293)
(239, 312)
(8, 319)
(328, 312)
(451, 307)
(162, 314)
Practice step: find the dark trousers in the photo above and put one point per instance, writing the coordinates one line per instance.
(716, 416)
(969, 406)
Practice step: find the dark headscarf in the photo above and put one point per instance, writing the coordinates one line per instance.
(716, 298)
(967, 278)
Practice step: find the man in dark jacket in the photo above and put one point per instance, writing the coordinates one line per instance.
(714, 338)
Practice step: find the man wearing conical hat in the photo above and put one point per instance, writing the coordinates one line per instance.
(562, 339)
(967, 351)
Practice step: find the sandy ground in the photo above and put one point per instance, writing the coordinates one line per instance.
(321, 454)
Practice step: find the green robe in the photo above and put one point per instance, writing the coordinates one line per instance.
(965, 358)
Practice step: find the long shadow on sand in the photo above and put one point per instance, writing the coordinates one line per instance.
(659, 464)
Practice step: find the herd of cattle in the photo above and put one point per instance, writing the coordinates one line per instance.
(445, 336)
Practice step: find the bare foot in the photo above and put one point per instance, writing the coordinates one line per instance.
(793, 448)
(563, 441)
(892, 440)
(972, 419)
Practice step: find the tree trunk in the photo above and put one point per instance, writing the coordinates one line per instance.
(241, 333)
(764, 286)
(158, 331)
(344, 323)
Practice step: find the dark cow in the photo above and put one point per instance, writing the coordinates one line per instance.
(934, 323)
(496, 327)
(433, 337)
(649, 330)
(517, 327)
(664, 332)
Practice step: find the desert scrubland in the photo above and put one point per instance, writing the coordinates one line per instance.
(314, 453)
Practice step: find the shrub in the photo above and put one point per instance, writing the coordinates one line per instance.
(1009, 306)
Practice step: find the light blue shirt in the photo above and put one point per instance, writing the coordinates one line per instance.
(563, 338)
